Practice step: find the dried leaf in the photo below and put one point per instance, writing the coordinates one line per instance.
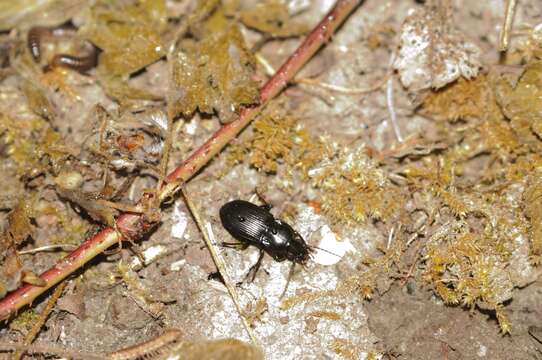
(19, 229)
(521, 103)
(433, 51)
(90, 203)
(74, 304)
(128, 33)
(213, 72)
(11, 271)
(272, 17)
(121, 91)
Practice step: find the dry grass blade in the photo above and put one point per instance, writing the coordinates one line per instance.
(504, 37)
(220, 265)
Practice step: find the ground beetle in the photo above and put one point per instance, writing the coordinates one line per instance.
(255, 225)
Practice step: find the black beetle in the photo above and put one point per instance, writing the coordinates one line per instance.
(255, 225)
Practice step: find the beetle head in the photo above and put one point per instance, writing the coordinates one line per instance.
(287, 244)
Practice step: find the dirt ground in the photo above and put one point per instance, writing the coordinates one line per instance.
(388, 290)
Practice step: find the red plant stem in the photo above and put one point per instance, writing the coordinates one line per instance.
(320, 35)
(136, 225)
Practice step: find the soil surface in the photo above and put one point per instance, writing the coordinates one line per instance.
(114, 301)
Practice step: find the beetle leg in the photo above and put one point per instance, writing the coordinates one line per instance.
(237, 246)
(251, 274)
(290, 274)
(266, 206)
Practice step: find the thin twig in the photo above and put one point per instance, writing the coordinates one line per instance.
(413, 265)
(391, 110)
(331, 87)
(269, 69)
(390, 238)
(49, 349)
(34, 331)
(220, 265)
(133, 226)
(170, 114)
(343, 89)
(67, 247)
(148, 349)
(504, 37)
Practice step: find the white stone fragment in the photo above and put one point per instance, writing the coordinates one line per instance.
(180, 221)
(149, 255)
(331, 251)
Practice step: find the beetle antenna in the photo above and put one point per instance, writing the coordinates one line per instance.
(290, 274)
(329, 252)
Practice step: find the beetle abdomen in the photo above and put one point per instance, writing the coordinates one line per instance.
(245, 221)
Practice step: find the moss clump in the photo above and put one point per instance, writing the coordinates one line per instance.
(272, 142)
(24, 321)
(532, 206)
(353, 186)
(32, 145)
(463, 99)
